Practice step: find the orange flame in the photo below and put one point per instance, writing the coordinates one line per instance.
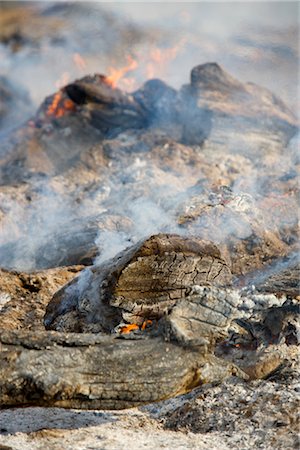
(160, 58)
(115, 75)
(54, 105)
(63, 80)
(59, 107)
(154, 63)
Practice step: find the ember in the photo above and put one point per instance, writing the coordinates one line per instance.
(60, 106)
(162, 211)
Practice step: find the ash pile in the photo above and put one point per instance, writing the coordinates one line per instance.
(177, 211)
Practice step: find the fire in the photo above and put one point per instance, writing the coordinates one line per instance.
(63, 80)
(54, 105)
(151, 64)
(160, 58)
(115, 75)
(59, 107)
(79, 61)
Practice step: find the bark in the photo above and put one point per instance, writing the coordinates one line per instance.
(107, 107)
(140, 283)
(90, 371)
(117, 371)
(95, 371)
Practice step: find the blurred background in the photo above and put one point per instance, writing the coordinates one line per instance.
(44, 45)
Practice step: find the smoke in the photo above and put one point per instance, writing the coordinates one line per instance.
(147, 218)
(249, 40)
(272, 274)
(167, 41)
(29, 230)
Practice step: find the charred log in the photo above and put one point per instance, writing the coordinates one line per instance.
(108, 108)
(246, 109)
(282, 277)
(140, 283)
(90, 371)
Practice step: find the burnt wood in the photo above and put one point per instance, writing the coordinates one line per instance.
(140, 283)
(90, 371)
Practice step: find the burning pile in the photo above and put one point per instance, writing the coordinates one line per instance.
(177, 204)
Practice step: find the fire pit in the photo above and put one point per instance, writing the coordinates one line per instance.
(148, 236)
(160, 297)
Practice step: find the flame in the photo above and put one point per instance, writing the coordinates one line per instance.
(115, 75)
(160, 58)
(54, 105)
(79, 61)
(59, 107)
(63, 80)
(151, 64)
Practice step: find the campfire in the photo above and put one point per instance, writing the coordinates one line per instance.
(152, 235)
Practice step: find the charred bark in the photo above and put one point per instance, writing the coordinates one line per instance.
(140, 283)
(103, 371)
(90, 371)
(108, 108)
(96, 371)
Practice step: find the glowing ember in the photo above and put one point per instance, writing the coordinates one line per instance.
(114, 75)
(59, 107)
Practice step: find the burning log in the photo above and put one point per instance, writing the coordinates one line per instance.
(113, 111)
(194, 323)
(108, 108)
(214, 111)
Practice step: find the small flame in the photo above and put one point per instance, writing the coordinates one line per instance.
(79, 61)
(154, 63)
(59, 107)
(115, 75)
(54, 105)
(160, 58)
(63, 80)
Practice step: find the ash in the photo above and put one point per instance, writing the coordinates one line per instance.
(91, 169)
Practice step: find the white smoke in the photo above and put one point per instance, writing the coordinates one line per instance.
(234, 42)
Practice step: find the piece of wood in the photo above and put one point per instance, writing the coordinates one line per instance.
(140, 283)
(90, 371)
